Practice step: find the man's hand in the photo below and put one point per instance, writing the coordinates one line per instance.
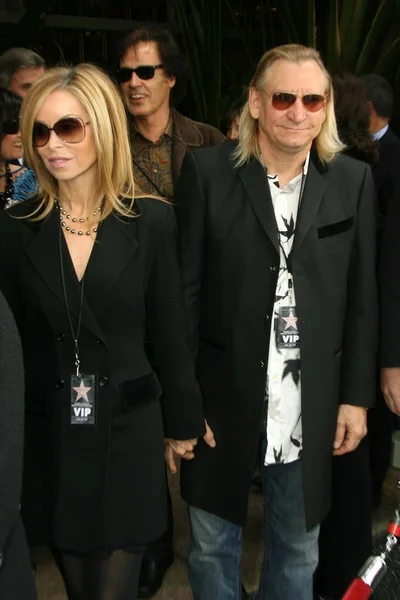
(185, 448)
(209, 436)
(390, 384)
(182, 448)
(351, 428)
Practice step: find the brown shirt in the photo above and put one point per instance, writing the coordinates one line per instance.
(152, 163)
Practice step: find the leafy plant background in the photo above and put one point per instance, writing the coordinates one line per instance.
(224, 39)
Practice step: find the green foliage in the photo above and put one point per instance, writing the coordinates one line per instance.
(201, 28)
(357, 35)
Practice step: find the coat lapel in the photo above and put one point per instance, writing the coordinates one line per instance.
(314, 190)
(115, 246)
(44, 253)
(256, 185)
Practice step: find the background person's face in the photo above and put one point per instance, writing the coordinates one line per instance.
(21, 81)
(145, 98)
(233, 131)
(295, 128)
(11, 147)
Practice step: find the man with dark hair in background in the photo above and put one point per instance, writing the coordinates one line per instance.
(153, 76)
(387, 170)
(19, 68)
(381, 421)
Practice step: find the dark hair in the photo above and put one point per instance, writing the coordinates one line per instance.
(380, 94)
(235, 109)
(352, 117)
(17, 58)
(175, 64)
(10, 106)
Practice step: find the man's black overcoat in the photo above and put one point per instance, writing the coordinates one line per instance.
(229, 266)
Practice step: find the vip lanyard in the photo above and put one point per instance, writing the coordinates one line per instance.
(288, 258)
(74, 334)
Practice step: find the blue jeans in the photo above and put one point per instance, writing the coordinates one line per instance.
(292, 554)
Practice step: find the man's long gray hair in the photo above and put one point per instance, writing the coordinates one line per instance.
(327, 142)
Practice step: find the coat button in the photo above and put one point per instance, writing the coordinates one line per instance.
(98, 341)
(103, 381)
(61, 337)
(59, 384)
(267, 317)
(261, 364)
(273, 268)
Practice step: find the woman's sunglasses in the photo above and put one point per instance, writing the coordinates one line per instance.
(144, 72)
(11, 127)
(69, 129)
(284, 100)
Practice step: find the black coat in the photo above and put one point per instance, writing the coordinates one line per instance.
(390, 287)
(229, 265)
(16, 580)
(387, 170)
(102, 487)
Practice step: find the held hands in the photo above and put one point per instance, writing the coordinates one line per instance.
(390, 383)
(351, 428)
(185, 448)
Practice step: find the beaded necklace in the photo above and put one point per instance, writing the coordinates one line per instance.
(72, 220)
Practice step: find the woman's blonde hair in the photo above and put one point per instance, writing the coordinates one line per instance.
(327, 142)
(101, 100)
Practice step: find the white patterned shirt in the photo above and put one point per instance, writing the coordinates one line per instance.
(283, 385)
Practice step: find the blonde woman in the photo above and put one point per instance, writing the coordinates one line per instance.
(89, 271)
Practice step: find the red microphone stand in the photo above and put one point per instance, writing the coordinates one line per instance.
(374, 569)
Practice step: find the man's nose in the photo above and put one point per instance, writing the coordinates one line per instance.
(297, 112)
(135, 81)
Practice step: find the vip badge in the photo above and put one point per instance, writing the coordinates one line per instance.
(287, 332)
(83, 400)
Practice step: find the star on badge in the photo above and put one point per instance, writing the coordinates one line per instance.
(291, 320)
(82, 392)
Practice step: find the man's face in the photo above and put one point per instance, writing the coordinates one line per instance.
(145, 98)
(21, 81)
(293, 129)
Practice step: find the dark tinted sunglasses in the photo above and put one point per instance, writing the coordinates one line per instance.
(69, 129)
(284, 100)
(11, 127)
(144, 72)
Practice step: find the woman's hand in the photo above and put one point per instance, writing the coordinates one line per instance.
(182, 448)
(185, 448)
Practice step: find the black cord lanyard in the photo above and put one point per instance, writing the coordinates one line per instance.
(288, 258)
(74, 334)
(155, 186)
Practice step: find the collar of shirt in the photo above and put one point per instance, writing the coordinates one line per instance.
(168, 131)
(291, 185)
(379, 134)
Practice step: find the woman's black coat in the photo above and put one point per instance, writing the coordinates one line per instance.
(100, 487)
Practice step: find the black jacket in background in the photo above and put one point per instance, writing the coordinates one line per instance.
(16, 581)
(387, 171)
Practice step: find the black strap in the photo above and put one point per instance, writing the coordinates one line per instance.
(288, 259)
(74, 334)
(149, 178)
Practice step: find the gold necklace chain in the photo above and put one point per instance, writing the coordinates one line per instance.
(71, 228)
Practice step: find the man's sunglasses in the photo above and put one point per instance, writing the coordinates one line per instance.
(144, 72)
(69, 129)
(284, 100)
(11, 127)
